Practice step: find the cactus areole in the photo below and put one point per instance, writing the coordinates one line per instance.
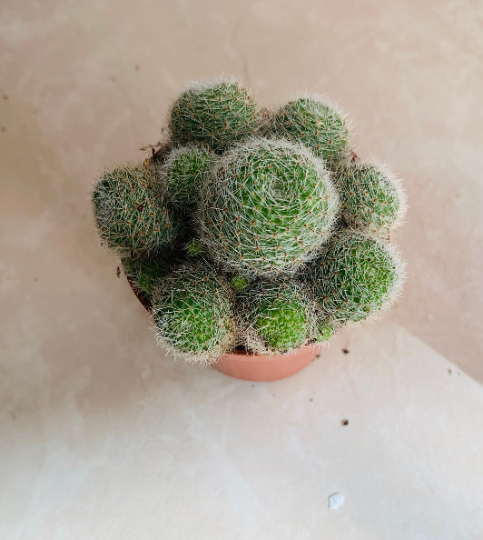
(253, 232)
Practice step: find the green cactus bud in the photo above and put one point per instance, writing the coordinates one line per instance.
(371, 196)
(183, 173)
(146, 273)
(130, 214)
(267, 207)
(280, 312)
(193, 314)
(239, 283)
(195, 248)
(356, 276)
(317, 124)
(217, 114)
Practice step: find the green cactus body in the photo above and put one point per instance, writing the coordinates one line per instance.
(316, 124)
(267, 207)
(216, 114)
(195, 248)
(193, 315)
(130, 214)
(356, 277)
(183, 173)
(372, 198)
(146, 273)
(280, 312)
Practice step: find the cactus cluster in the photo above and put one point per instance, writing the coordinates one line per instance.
(250, 229)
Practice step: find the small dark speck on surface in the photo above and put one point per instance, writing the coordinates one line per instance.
(5, 96)
(118, 273)
(449, 371)
(345, 422)
(311, 399)
(137, 67)
(345, 351)
(112, 78)
(253, 386)
(3, 129)
(36, 278)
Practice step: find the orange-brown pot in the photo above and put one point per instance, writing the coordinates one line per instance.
(255, 367)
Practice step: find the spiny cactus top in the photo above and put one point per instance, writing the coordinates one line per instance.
(316, 124)
(355, 277)
(183, 173)
(267, 206)
(193, 314)
(130, 213)
(216, 114)
(371, 196)
(280, 312)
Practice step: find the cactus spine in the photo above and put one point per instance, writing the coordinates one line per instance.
(130, 213)
(216, 114)
(268, 206)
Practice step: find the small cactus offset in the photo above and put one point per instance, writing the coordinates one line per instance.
(280, 312)
(267, 207)
(183, 173)
(372, 197)
(214, 114)
(253, 232)
(356, 277)
(317, 124)
(193, 314)
(130, 213)
(146, 273)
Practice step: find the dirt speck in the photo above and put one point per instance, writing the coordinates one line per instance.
(137, 67)
(4, 96)
(36, 278)
(344, 422)
(3, 129)
(345, 351)
(449, 371)
(311, 399)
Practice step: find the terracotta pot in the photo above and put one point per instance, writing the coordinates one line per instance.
(255, 367)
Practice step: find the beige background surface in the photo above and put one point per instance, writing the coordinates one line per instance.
(102, 436)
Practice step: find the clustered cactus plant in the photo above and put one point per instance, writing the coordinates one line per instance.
(253, 230)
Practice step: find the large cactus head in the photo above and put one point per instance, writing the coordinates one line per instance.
(193, 315)
(130, 213)
(183, 173)
(267, 207)
(280, 312)
(317, 124)
(216, 114)
(371, 196)
(355, 277)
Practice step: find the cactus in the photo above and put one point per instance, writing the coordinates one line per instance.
(216, 114)
(371, 196)
(194, 248)
(183, 173)
(280, 312)
(193, 314)
(267, 208)
(146, 273)
(131, 216)
(356, 276)
(317, 124)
